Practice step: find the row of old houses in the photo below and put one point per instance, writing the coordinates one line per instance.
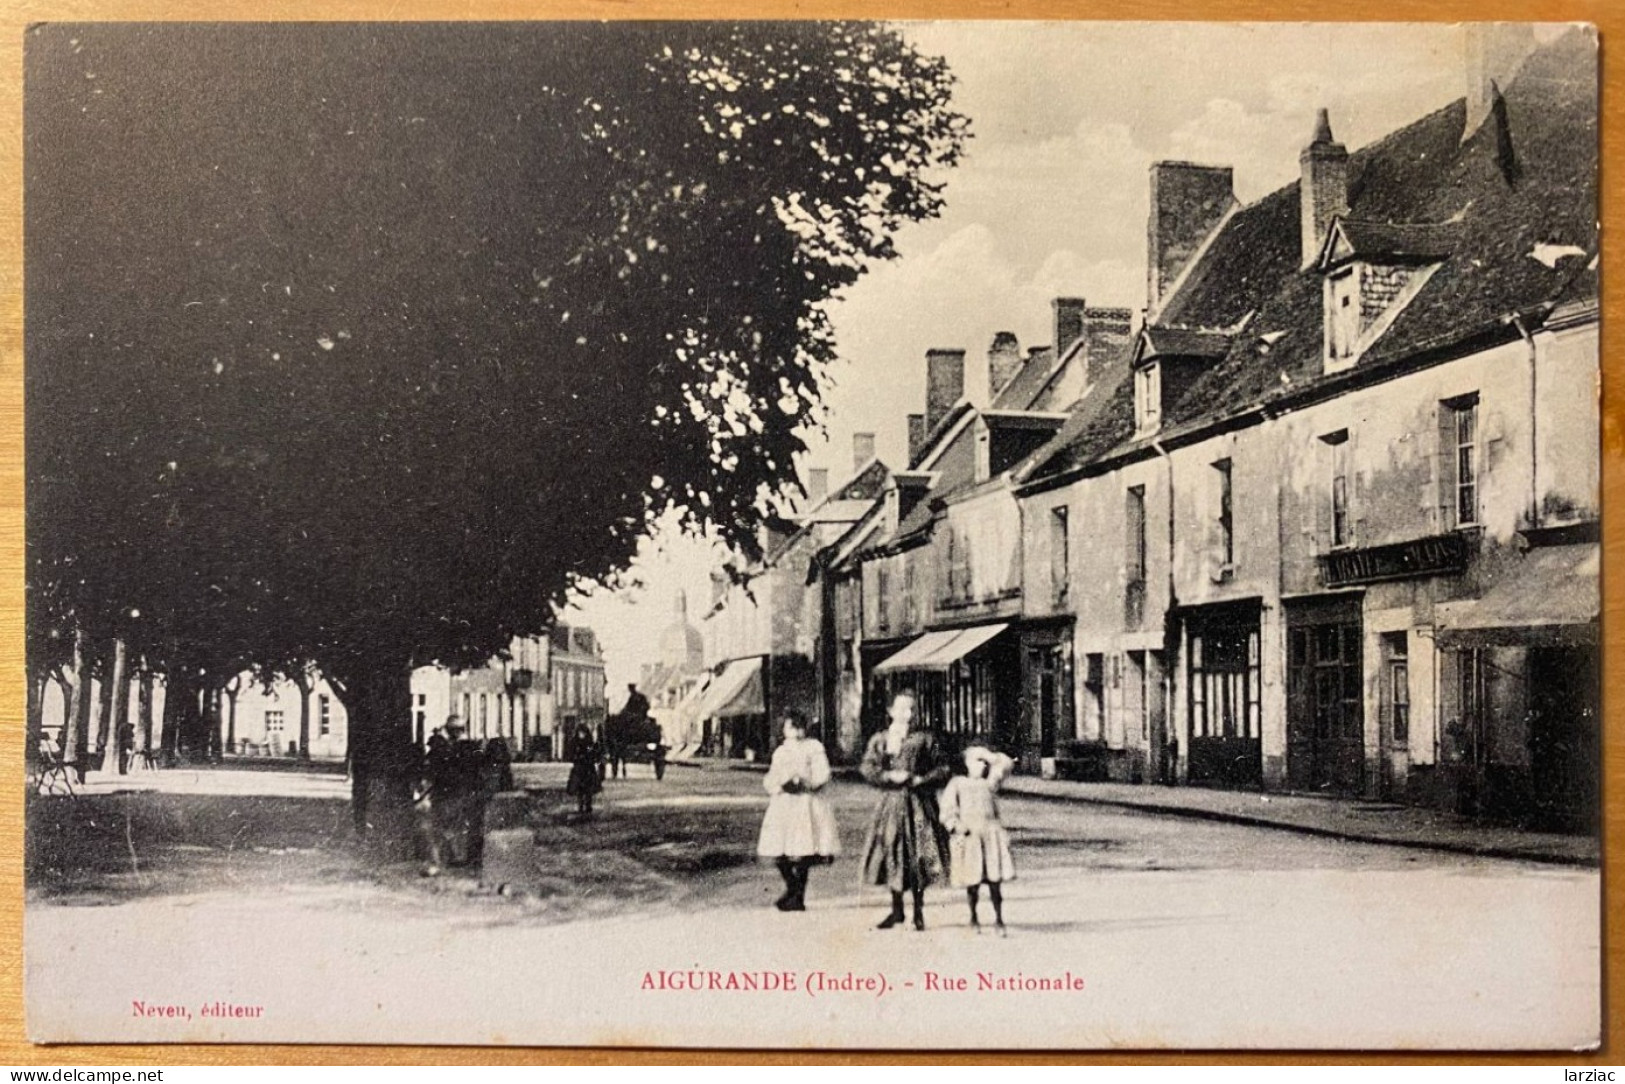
(532, 697)
(1321, 516)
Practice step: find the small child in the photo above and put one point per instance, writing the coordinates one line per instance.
(978, 845)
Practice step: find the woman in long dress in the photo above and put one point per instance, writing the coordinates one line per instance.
(798, 831)
(907, 850)
(978, 845)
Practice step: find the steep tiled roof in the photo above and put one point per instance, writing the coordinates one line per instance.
(1028, 382)
(1407, 240)
(1185, 342)
(1509, 200)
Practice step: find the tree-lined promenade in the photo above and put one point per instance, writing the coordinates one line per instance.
(358, 347)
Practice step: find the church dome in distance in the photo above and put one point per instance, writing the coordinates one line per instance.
(681, 646)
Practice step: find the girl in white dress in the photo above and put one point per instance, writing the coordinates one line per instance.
(978, 845)
(798, 831)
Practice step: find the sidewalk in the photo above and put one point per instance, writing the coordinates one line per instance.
(1339, 818)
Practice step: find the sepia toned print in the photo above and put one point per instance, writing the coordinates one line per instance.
(814, 534)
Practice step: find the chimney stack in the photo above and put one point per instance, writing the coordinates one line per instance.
(944, 383)
(1068, 322)
(1003, 362)
(817, 485)
(1188, 202)
(1491, 53)
(1323, 189)
(863, 450)
(916, 438)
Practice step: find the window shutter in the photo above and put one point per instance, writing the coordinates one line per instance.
(1357, 491)
(1325, 463)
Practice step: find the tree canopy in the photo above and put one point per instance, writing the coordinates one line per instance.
(362, 344)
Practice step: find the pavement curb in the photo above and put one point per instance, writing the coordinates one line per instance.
(1226, 817)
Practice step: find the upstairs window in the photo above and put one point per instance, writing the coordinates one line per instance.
(1134, 514)
(1343, 315)
(1059, 553)
(1459, 468)
(1148, 399)
(1226, 523)
(1337, 455)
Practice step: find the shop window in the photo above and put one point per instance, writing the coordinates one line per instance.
(1225, 690)
(1094, 694)
(273, 722)
(1397, 685)
(324, 715)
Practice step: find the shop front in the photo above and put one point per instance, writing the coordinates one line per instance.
(965, 682)
(1521, 707)
(1325, 721)
(1224, 695)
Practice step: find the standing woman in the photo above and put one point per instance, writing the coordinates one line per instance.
(585, 777)
(798, 831)
(906, 849)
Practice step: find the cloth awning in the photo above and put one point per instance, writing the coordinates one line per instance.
(940, 650)
(1548, 596)
(737, 690)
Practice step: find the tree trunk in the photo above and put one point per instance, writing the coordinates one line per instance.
(231, 714)
(119, 716)
(143, 713)
(105, 758)
(76, 727)
(306, 687)
(383, 757)
(213, 724)
(195, 725)
(36, 718)
(177, 696)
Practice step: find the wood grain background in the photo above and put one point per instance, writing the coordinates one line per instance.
(15, 16)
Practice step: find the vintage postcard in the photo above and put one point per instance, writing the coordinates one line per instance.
(811, 534)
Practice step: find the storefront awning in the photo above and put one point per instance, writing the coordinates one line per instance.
(1549, 596)
(735, 691)
(940, 650)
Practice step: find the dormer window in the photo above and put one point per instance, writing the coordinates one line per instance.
(1147, 399)
(1342, 316)
(1372, 271)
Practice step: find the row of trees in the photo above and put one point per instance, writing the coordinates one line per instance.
(361, 346)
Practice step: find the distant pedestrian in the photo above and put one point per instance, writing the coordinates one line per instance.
(907, 850)
(126, 746)
(798, 831)
(978, 845)
(586, 774)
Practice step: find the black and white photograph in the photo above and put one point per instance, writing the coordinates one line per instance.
(806, 534)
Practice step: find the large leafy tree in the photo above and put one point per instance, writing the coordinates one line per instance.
(360, 345)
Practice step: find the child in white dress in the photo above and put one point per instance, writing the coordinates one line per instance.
(978, 845)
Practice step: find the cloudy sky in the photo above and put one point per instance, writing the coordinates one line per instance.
(1051, 201)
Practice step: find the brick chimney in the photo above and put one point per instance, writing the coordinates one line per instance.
(1003, 362)
(817, 485)
(1491, 53)
(1188, 202)
(1323, 189)
(863, 450)
(916, 438)
(944, 383)
(1068, 322)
